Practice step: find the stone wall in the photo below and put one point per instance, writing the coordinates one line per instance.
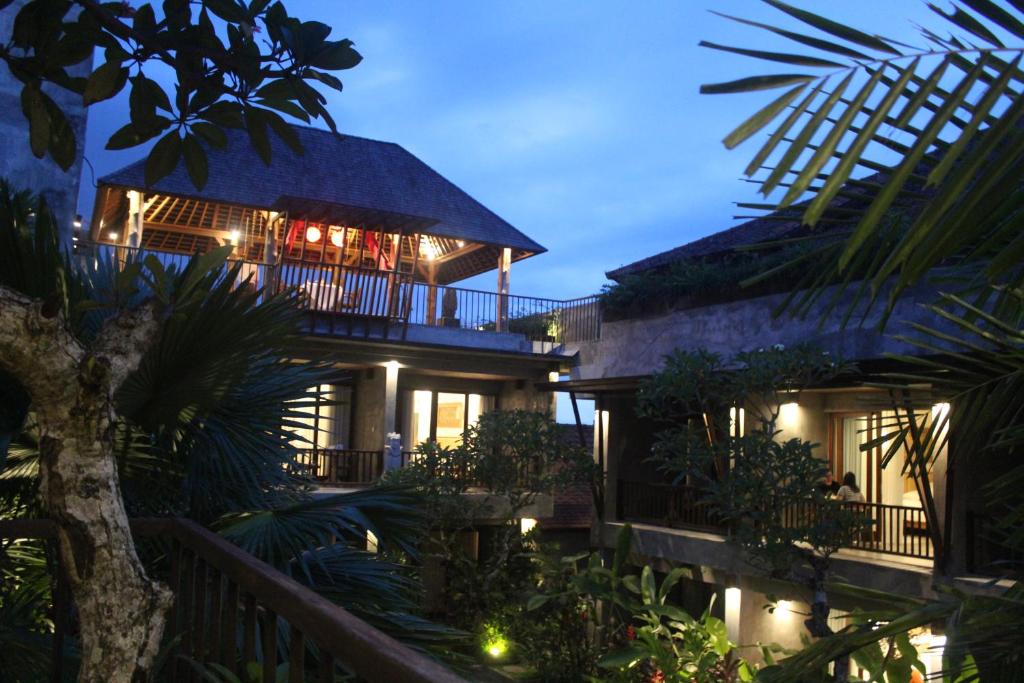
(17, 163)
(639, 346)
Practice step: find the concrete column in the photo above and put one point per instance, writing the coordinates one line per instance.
(390, 398)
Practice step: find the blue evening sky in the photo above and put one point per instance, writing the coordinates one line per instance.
(578, 121)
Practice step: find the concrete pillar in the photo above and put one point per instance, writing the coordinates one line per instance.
(390, 397)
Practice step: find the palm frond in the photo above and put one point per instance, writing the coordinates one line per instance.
(936, 129)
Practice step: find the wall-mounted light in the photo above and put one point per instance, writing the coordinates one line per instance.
(112, 235)
(338, 238)
(313, 234)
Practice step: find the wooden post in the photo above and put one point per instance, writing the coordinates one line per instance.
(133, 236)
(504, 268)
(431, 292)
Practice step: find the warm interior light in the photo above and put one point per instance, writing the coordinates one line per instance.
(112, 235)
(338, 238)
(313, 234)
(233, 236)
(526, 525)
(427, 249)
(460, 243)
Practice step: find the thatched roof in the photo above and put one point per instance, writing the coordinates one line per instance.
(339, 179)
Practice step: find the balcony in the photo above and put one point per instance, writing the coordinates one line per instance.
(381, 304)
(333, 467)
(894, 529)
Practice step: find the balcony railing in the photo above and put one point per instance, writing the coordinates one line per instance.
(232, 609)
(666, 505)
(893, 529)
(336, 466)
(339, 296)
(525, 471)
(342, 466)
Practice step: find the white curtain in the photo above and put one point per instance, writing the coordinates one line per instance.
(854, 460)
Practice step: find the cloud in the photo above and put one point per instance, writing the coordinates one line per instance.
(524, 126)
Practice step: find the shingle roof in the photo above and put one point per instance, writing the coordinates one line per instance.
(346, 171)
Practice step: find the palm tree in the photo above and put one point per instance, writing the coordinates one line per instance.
(202, 424)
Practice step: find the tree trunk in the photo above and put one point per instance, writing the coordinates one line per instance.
(121, 611)
(817, 624)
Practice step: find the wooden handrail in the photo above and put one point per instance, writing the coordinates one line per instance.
(354, 291)
(358, 646)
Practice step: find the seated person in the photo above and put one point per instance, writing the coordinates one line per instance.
(828, 486)
(849, 492)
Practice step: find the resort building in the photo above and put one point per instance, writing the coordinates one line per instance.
(923, 525)
(377, 243)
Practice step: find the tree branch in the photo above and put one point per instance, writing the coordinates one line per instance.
(124, 340)
(29, 331)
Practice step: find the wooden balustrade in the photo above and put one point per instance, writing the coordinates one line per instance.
(339, 297)
(891, 529)
(342, 466)
(673, 506)
(527, 471)
(230, 608)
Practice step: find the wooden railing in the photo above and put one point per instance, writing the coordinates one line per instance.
(342, 466)
(525, 472)
(232, 609)
(891, 529)
(665, 504)
(340, 296)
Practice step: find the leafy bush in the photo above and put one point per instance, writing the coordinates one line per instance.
(713, 279)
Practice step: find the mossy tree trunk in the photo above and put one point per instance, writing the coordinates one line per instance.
(122, 612)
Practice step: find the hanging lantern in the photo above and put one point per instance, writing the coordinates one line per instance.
(313, 234)
(338, 238)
